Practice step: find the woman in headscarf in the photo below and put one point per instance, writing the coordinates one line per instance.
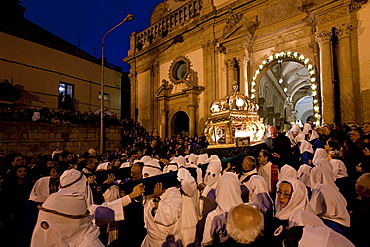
(287, 171)
(306, 151)
(228, 194)
(317, 236)
(329, 204)
(300, 217)
(321, 175)
(291, 194)
(325, 164)
(304, 173)
(314, 139)
(319, 154)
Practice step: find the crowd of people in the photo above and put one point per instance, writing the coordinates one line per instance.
(61, 116)
(306, 187)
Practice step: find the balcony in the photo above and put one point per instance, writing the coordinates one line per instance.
(163, 27)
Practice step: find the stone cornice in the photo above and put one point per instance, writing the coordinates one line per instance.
(322, 9)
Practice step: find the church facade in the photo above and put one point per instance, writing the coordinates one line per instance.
(299, 60)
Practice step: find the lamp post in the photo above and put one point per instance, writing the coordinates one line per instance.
(129, 17)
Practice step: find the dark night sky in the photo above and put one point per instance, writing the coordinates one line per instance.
(89, 20)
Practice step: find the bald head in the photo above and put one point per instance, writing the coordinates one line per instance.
(363, 185)
(244, 223)
(273, 131)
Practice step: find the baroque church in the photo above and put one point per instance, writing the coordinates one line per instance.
(298, 60)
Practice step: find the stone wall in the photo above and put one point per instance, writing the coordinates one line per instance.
(32, 138)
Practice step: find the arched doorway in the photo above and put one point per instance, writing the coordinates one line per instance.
(180, 123)
(287, 90)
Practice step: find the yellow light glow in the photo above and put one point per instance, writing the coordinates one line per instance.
(240, 102)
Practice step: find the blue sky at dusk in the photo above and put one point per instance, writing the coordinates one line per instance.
(86, 21)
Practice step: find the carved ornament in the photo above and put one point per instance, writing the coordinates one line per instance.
(232, 20)
(323, 36)
(343, 30)
(330, 7)
(235, 48)
(284, 38)
(209, 45)
(333, 15)
(356, 5)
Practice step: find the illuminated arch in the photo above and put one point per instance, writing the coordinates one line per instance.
(311, 71)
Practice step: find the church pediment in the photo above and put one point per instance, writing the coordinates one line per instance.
(237, 26)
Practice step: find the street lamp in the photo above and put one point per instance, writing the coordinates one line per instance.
(129, 17)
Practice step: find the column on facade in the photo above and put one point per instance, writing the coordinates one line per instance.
(261, 103)
(270, 110)
(277, 119)
(230, 74)
(326, 76)
(192, 120)
(133, 102)
(163, 125)
(243, 65)
(345, 74)
(210, 75)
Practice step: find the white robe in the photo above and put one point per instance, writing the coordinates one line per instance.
(189, 214)
(259, 194)
(167, 220)
(63, 231)
(265, 172)
(228, 194)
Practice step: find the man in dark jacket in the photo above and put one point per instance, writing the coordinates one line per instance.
(279, 147)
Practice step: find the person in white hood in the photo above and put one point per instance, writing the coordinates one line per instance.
(228, 194)
(75, 180)
(64, 221)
